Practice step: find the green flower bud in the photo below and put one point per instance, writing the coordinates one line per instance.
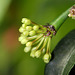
(20, 38)
(32, 54)
(27, 49)
(46, 61)
(26, 33)
(34, 48)
(24, 25)
(24, 41)
(21, 29)
(36, 27)
(37, 53)
(22, 35)
(46, 58)
(32, 33)
(28, 44)
(26, 21)
(28, 28)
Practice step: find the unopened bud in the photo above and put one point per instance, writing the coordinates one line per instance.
(27, 49)
(47, 57)
(32, 54)
(28, 28)
(28, 44)
(24, 41)
(21, 29)
(37, 53)
(20, 38)
(32, 33)
(24, 25)
(26, 33)
(36, 27)
(34, 48)
(26, 21)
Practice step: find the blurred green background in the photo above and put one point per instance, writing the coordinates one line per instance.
(13, 61)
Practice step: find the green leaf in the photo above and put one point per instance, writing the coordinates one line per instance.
(64, 57)
(4, 4)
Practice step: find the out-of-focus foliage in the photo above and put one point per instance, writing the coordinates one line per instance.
(13, 60)
(4, 5)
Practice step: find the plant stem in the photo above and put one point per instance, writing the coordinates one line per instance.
(58, 21)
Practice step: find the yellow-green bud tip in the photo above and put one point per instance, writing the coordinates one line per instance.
(24, 25)
(28, 44)
(21, 29)
(26, 21)
(32, 33)
(34, 48)
(37, 53)
(32, 54)
(20, 38)
(27, 49)
(28, 28)
(24, 41)
(36, 27)
(47, 57)
(26, 33)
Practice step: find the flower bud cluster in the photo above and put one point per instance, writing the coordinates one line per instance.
(36, 38)
(72, 12)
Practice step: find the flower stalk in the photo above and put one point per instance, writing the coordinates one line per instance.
(61, 19)
(37, 38)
